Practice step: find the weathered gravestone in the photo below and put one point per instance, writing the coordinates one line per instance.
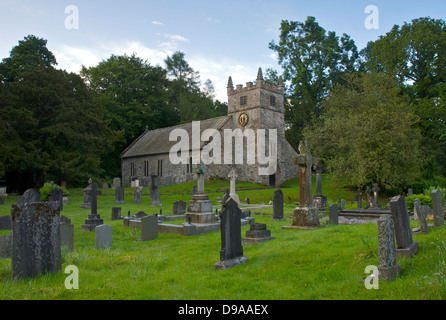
(437, 208)
(5, 240)
(105, 186)
(278, 205)
(319, 200)
(137, 195)
(375, 190)
(200, 207)
(233, 176)
(116, 213)
(94, 219)
(116, 183)
(333, 214)
(257, 234)
(35, 239)
(231, 253)
(87, 198)
(56, 195)
(154, 194)
(420, 215)
(144, 182)
(179, 207)
(149, 228)
(358, 199)
(119, 195)
(388, 269)
(103, 237)
(66, 234)
(31, 196)
(405, 244)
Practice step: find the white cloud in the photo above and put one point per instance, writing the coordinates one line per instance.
(158, 23)
(175, 37)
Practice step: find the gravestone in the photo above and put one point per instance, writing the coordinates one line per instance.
(405, 244)
(105, 186)
(67, 235)
(369, 198)
(358, 199)
(35, 239)
(103, 237)
(333, 214)
(233, 176)
(388, 269)
(5, 223)
(409, 192)
(200, 207)
(342, 204)
(119, 195)
(94, 219)
(420, 215)
(375, 190)
(437, 208)
(319, 200)
(116, 213)
(149, 228)
(305, 163)
(137, 195)
(154, 194)
(257, 233)
(278, 205)
(179, 207)
(116, 183)
(231, 253)
(87, 199)
(31, 196)
(305, 218)
(139, 215)
(5, 240)
(56, 195)
(144, 182)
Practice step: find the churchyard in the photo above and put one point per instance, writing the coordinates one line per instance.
(327, 262)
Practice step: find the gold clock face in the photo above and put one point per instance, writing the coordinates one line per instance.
(243, 119)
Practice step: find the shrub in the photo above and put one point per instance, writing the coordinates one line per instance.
(424, 200)
(46, 190)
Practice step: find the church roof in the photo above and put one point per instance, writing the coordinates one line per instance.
(153, 142)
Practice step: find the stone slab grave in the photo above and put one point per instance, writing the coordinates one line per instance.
(154, 193)
(278, 205)
(149, 228)
(137, 195)
(103, 237)
(405, 244)
(66, 233)
(257, 233)
(388, 268)
(116, 183)
(420, 214)
(437, 208)
(231, 253)
(5, 240)
(36, 246)
(119, 195)
(116, 213)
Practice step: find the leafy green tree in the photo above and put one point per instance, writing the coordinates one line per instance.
(312, 60)
(134, 95)
(30, 54)
(416, 54)
(366, 133)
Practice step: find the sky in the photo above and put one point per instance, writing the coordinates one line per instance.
(219, 38)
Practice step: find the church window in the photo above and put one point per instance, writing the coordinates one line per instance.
(272, 100)
(160, 167)
(243, 100)
(146, 168)
(132, 169)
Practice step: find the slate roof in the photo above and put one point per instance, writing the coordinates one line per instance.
(153, 142)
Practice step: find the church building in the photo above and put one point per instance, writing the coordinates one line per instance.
(255, 112)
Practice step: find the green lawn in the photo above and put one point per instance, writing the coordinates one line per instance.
(327, 263)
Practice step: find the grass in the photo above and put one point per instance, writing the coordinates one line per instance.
(326, 263)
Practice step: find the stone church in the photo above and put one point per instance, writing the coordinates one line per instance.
(250, 108)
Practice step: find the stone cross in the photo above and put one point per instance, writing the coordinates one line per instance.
(305, 162)
(200, 179)
(93, 219)
(233, 175)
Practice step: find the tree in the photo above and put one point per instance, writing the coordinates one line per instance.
(30, 54)
(415, 53)
(366, 133)
(312, 61)
(56, 127)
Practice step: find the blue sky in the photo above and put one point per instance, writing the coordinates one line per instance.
(219, 38)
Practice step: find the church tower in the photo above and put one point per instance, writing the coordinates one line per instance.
(257, 106)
